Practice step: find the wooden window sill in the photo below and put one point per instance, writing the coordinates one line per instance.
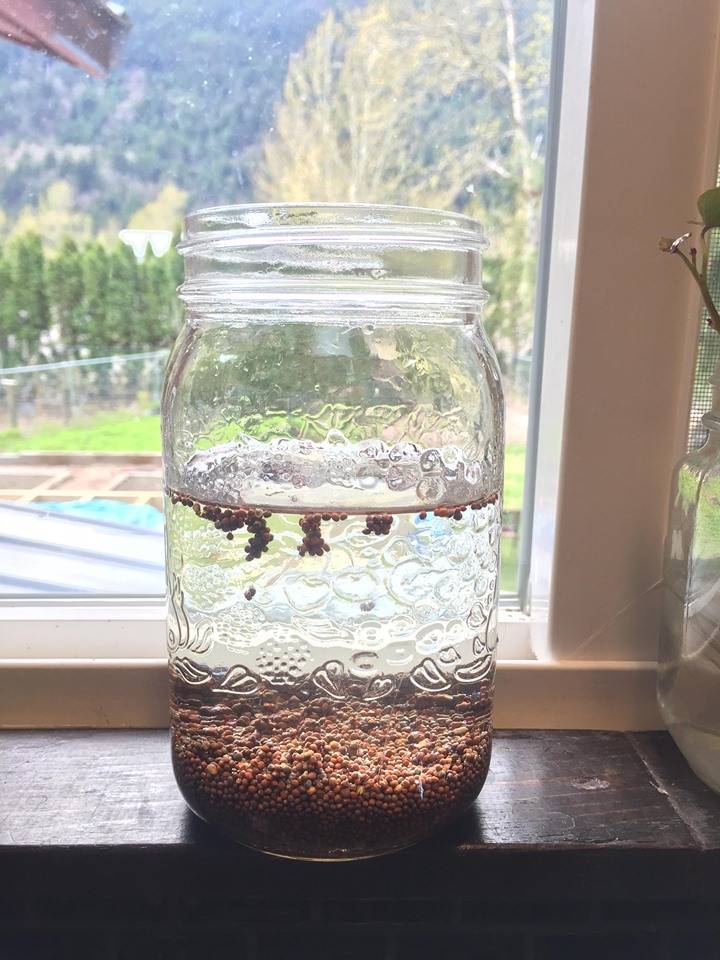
(554, 799)
(582, 844)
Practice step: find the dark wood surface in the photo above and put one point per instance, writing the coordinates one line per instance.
(562, 814)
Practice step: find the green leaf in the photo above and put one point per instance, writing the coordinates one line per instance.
(709, 207)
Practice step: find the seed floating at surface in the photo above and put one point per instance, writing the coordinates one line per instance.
(312, 541)
(378, 523)
(258, 543)
(231, 519)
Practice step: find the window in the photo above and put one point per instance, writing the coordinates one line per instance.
(423, 102)
(610, 376)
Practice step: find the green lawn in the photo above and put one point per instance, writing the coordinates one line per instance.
(514, 476)
(105, 433)
(125, 433)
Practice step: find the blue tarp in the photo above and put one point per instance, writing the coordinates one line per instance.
(111, 511)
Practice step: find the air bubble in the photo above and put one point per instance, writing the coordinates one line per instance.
(399, 654)
(473, 473)
(364, 663)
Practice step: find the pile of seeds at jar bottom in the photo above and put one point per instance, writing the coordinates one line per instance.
(319, 778)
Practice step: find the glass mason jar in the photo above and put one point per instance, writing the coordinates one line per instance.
(689, 667)
(333, 456)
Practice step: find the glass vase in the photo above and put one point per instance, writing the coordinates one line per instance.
(689, 667)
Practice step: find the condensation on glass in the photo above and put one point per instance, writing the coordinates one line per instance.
(333, 456)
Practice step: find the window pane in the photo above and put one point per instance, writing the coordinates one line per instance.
(428, 102)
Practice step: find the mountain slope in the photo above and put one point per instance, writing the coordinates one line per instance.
(196, 84)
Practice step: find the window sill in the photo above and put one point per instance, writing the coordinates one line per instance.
(48, 693)
(114, 673)
(622, 808)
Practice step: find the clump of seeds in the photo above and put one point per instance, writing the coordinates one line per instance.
(256, 524)
(312, 541)
(231, 519)
(378, 523)
(484, 502)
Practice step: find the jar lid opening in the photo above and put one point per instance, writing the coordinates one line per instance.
(287, 222)
(351, 254)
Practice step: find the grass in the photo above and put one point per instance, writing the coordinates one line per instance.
(105, 433)
(514, 476)
(128, 433)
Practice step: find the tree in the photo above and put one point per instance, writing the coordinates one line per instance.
(54, 217)
(66, 294)
(123, 305)
(175, 261)
(164, 212)
(8, 315)
(95, 334)
(84, 301)
(448, 111)
(332, 135)
(186, 102)
(160, 308)
(31, 316)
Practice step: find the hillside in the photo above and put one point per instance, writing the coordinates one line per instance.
(196, 84)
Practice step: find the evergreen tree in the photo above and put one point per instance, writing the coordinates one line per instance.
(30, 303)
(159, 315)
(8, 315)
(65, 290)
(94, 334)
(124, 302)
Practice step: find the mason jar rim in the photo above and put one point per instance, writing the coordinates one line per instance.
(297, 220)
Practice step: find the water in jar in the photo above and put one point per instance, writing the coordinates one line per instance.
(332, 643)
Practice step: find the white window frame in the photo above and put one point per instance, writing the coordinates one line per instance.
(633, 149)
